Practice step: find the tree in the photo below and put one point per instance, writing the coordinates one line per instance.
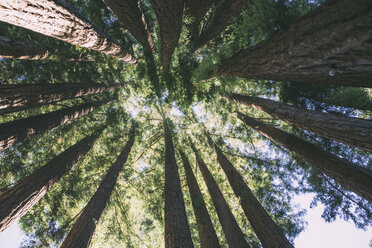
(196, 10)
(21, 50)
(16, 201)
(60, 21)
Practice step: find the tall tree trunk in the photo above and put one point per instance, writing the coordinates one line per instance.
(81, 234)
(233, 233)
(330, 45)
(264, 226)
(16, 201)
(207, 234)
(196, 9)
(177, 232)
(15, 97)
(56, 19)
(351, 131)
(350, 176)
(131, 16)
(224, 17)
(20, 130)
(169, 14)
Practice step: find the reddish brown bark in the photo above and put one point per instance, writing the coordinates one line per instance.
(351, 131)
(16, 201)
(330, 45)
(15, 49)
(207, 234)
(82, 232)
(20, 130)
(350, 176)
(56, 19)
(233, 233)
(196, 9)
(177, 232)
(16, 97)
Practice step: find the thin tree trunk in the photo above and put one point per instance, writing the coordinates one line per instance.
(207, 234)
(330, 45)
(16, 97)
(196, 9)
(56, 19)
(169, 14)
(81, 234)
(264, 226)
(15, 49)
(20, 130)
(131, 16)
(233, 233)
(16, 201)
(177, 232)
(348, 130)
(350, 176)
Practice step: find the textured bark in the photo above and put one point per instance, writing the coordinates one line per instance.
(16, 201)
(130, 14)
(207, 234)
(224, 17)
(350, 176)
(14, 97)
(177, 232)
(169, 14)
(81, 234)
(233, 233)
(351, 131)
(20, 130)
(196, 9)
(56, 19)
(15, 49)
(264, 226)
(330, 45)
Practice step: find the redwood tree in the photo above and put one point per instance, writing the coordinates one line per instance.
(196, 10)
(16, 49)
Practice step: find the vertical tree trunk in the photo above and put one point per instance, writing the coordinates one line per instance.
(350, 176)
(15, 97)
(351, 131)
(233, 233)
(82, 232)
(177, 232)
(16, 201)
(131, 16)
(56, 19)
(169, 14)
(207, 234)
(196, 9)
(329, 45)
(264, 226)
(20, 130)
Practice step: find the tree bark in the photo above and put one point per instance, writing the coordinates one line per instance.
(207, 234)
(348, 130)
(81, 234)
(131, 16)
(350, 176)
(196, 9)
(20, 130)
(330, 45)
(15, 49)
(233, 233)
(264, 226)
(16, 201)
(15, 97)
(169, 14)
(56, 19)
(177, 232)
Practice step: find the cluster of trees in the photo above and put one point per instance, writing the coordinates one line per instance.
(102, 101)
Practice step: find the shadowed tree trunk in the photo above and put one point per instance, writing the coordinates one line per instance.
(130, 14)
(81, 234)
(16, 97)
(169, 14)
(263, 225)
(196, 9)
(177, 232)
(20, 130)
(207, 234)
(56, 19)
(233, 233)
(16, 201)
(350, 176)
(348, 130)
(330, 45)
